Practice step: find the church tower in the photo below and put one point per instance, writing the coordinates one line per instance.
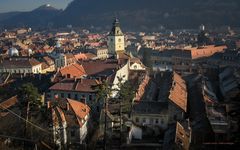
(116, 39)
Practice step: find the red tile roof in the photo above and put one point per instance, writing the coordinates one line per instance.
(178, 92)
(80, 109)
(99, 66)
(9, 102)
(80, 85)
(205, 51)
(19, 63)
(141, 88)
(74, 70)
(70, 111)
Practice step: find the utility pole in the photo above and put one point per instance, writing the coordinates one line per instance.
(105, 122)
(120, 124)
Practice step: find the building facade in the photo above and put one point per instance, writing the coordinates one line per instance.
(116, 39)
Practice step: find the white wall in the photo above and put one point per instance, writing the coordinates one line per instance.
(83, 131)
(136, 66)
(122, 73)
(151, 120)
(135, 133)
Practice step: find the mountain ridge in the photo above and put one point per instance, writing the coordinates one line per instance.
(144, 14)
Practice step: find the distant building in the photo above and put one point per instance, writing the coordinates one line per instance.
(21, 31)
(202, 27)
(13, 52)
(101, 53)
(229, 83)
(63, 60)
(48, 64)
(182, 60)
(21, 66)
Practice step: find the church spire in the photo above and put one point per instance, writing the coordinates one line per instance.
(116, 41)
(116, 30)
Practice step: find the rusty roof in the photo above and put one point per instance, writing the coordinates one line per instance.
(78, 85)
(70, 111)
(75, 70)
(9, 102)
(178, 92)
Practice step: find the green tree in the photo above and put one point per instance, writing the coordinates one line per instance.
(103, 93)
(30, 99)
(126, 92)
(28, 93)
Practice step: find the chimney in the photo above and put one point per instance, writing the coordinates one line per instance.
(68, 106)
(48, 104)
(75, 78)
(56, 96)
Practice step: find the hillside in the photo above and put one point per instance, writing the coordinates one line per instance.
(135, 14)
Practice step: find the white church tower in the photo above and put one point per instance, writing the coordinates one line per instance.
(116, 39)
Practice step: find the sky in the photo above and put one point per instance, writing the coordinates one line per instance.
(27, 5)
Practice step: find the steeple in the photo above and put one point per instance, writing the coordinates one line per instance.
(116, 39)
(116, 30)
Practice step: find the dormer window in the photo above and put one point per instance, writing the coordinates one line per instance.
(135, 66)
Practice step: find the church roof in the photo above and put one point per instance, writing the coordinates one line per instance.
(116, 30)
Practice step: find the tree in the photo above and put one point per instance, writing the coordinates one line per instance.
(126, 94)
(28, 93)
(30, 98)
(103, 93)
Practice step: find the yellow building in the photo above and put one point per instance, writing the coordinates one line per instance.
(116, 39)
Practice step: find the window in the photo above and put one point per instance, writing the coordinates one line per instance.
(98, 109)
(144, 120)
(151, 121)
(76, 97)
(135, 66)
(90, 97)
(69, 95)
(119, 40)
(68, 76)
(83, 96)
(62, 95)
(156, 121)
(175, 117)
(162, 121)
(137, 119)
(72, 133)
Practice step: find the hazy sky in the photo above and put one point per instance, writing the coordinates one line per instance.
(26, 5)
